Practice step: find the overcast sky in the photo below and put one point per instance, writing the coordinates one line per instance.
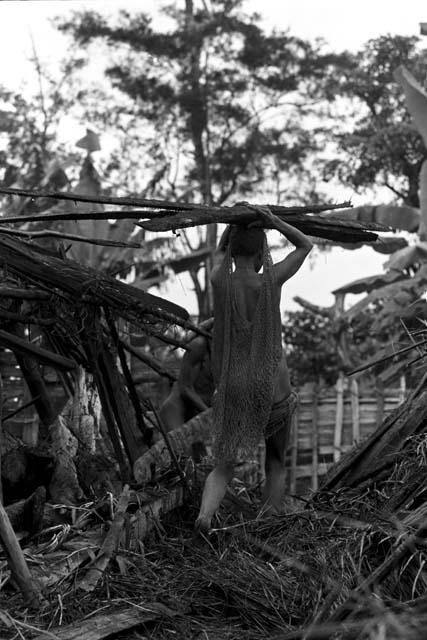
(341, 23)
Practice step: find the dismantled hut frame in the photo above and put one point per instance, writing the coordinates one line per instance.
(78, 313)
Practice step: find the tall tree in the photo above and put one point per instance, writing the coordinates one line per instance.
(388, 147)
(378, 144)
(225, 102)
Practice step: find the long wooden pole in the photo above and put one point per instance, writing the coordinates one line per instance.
(150, 203)
(18, 566)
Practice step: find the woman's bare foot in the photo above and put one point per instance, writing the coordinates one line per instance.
(202, 525)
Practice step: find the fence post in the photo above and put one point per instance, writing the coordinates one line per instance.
(339, 417)
(379, 388)
(314, 442)
(294, 452)
(355, 414)
(402, 389)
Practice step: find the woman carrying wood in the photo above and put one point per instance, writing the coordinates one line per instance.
(253, 397)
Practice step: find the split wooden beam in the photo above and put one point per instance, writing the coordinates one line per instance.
(25, 348)
(104, 625)
(109, 546)
(159, 215)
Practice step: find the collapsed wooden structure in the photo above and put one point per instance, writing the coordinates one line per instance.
(80, 316)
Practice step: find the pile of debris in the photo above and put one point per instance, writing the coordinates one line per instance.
(349, 562)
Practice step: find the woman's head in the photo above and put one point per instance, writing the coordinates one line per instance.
(246, 241)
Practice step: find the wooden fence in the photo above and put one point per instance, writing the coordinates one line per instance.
(327, 424)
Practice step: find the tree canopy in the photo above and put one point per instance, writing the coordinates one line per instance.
(381, 144)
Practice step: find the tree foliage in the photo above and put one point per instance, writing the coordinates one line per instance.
(380, 142)
(220, 105)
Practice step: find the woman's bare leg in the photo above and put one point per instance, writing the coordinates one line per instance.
(213, 494)
(275, 470)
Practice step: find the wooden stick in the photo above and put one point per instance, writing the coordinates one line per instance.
(16, 560)
(150, 204)
(133, 395)
(149, 360)
(49, 233)
(165, 436)
(385, 358)
(21, 408)
(339, 417)
(314, 443)
(109, 546)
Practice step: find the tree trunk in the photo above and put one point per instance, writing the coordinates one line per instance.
(198, 117)
(86, 412)
(64, 487)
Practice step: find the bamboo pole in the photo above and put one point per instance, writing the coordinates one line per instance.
(355, 413)
(314, 442)
(339, 417)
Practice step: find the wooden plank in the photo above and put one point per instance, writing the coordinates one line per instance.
(107, 624)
